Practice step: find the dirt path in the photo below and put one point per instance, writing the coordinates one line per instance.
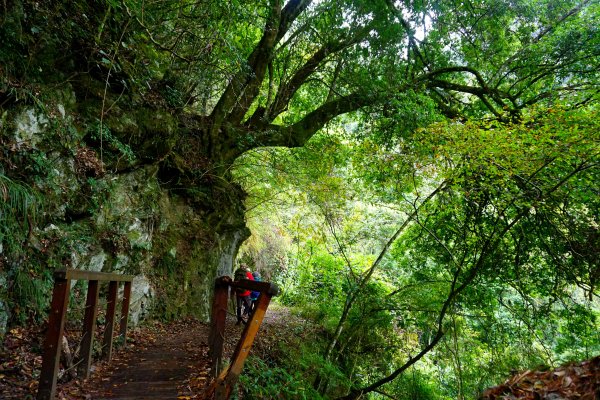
(160, 361)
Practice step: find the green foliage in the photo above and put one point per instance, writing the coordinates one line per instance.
(19, 209)
(523, 303)
(103, 135)
(29, 294)
(26, 287)
(417, 385)
(262, 381)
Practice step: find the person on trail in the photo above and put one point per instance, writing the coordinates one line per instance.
(254, 295)
(242, 296)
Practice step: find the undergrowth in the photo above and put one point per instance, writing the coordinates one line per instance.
(263, 381)
(288, 360)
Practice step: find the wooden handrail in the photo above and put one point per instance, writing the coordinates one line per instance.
(256, 286)
(222, 385)
(58, 316)
(78, 274)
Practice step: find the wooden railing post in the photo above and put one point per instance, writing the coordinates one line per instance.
(125, 311)
(228, 378)
(217, 331)
(89, 327)
(52, 344)
(111, 308)
(222, 386)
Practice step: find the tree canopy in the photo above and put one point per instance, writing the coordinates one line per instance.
(241, 75)
(475, 235)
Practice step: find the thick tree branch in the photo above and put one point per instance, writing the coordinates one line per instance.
(263, 55)
(480, 92)
(291, 11)
(287, 91)
(254, 69)
(244, 86)
(447, 70)
(483, 91)
(297, 134)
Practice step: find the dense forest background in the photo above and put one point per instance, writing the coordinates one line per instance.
(420, 177)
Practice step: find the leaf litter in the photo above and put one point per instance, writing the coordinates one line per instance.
(579, 381)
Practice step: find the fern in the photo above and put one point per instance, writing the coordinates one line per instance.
(19, 207)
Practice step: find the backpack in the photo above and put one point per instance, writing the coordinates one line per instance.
(239, 275)
(254, 295)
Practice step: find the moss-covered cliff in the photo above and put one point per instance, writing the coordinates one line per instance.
(69, 203)
(95, 172)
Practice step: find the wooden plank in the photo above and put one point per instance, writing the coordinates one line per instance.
(91, 275)
(225, 382)
(125, 311)
(263, 287)
(111, 308)
(89, 327)
(217, 327)
(52, 344)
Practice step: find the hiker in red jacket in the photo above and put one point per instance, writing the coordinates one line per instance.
(242, 296)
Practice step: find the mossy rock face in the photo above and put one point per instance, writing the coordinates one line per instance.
(184, 263)
(94, 215)
(101, 171)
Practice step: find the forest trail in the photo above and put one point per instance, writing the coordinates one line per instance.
(168, 361)
(160, 369)
(160, 361)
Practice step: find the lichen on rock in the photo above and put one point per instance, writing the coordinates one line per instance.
(29, 126)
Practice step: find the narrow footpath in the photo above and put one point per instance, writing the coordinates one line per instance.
(164, 361)
(159, 370)
(170, 361)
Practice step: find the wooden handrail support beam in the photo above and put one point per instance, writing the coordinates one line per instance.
(222, 386)
(78, 274)
(58, 316)
(264, 287)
